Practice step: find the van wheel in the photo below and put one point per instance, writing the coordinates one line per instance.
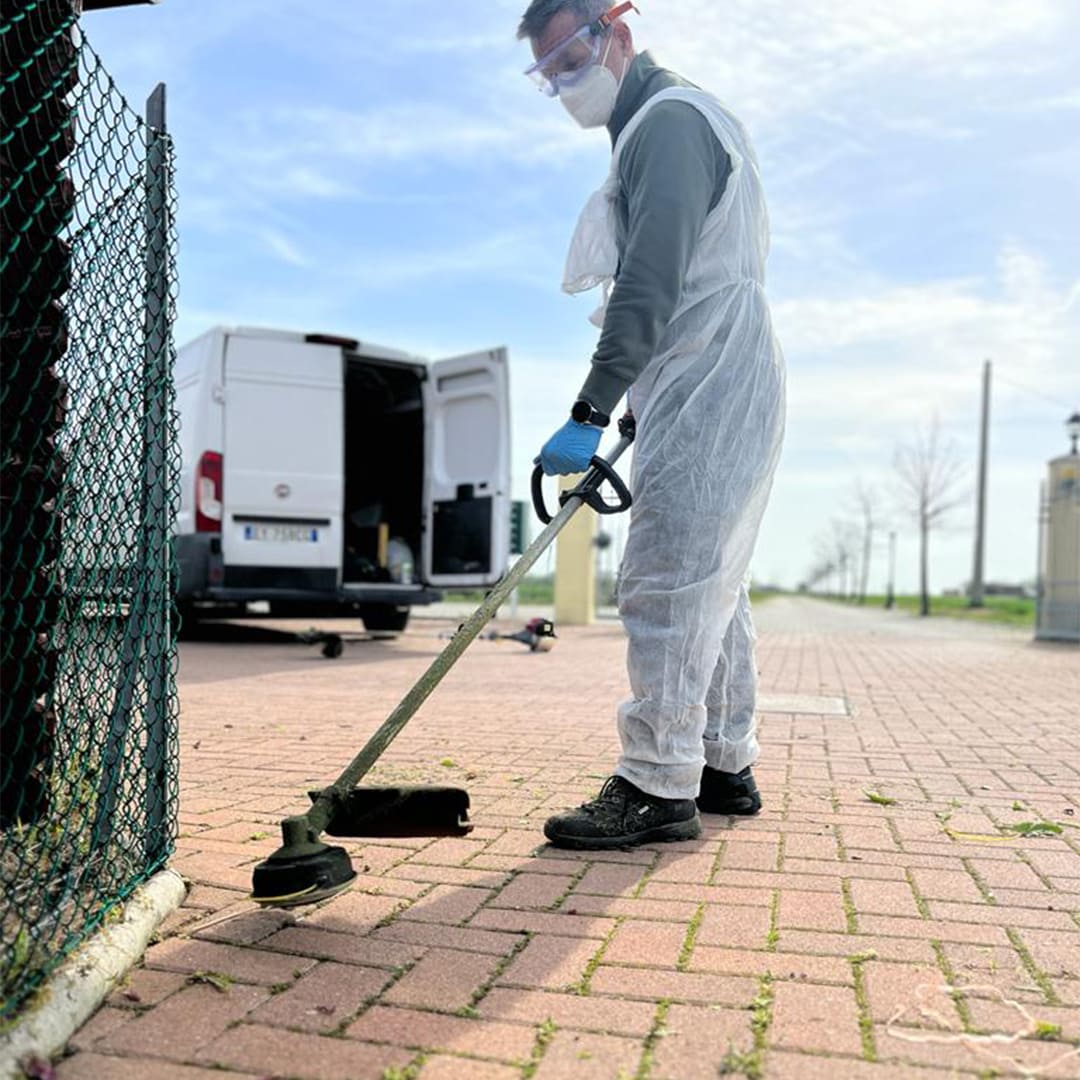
(385, 618)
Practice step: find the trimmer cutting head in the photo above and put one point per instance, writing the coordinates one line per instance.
(290, 877)
(304, 870)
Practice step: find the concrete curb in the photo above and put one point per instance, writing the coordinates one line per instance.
(84, 980)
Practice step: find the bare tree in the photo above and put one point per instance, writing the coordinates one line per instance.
(845, 541)
(930, 473)
(824, 565)
(865, 501)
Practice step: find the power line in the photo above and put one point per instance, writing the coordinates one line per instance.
(1060, 402)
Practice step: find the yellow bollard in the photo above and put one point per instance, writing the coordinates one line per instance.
(575, 566)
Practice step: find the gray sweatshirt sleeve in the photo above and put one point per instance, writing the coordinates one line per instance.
(671, 173)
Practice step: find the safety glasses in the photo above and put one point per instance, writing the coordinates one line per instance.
(568, 61)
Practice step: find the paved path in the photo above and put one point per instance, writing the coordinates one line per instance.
(831, 937)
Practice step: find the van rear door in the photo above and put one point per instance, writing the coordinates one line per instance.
(467, 470)
(283, 468)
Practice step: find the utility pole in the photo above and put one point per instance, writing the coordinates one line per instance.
(975, 595)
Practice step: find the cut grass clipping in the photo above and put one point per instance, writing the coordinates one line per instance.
(878, 799)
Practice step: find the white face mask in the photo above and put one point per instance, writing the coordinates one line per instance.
(591, 99)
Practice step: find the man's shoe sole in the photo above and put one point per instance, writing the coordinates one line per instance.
(690, 829)
(744, 807)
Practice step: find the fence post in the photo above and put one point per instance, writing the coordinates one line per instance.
(156, 560)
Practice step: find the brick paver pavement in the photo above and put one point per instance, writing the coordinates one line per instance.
(833, 936)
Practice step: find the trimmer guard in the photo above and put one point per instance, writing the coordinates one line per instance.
(398, 811)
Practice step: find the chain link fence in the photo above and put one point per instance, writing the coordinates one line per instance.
(88, 468)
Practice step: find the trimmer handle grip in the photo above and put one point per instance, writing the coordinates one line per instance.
(588, 490)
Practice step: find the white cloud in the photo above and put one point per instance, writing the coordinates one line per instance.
(776, 59)
(282, 247)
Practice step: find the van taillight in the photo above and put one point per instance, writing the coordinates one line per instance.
(208, 493)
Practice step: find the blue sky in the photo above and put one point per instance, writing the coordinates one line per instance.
(384, 171)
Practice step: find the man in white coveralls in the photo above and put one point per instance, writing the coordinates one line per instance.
(677, 237)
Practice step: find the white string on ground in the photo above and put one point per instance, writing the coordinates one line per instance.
(980, 1044)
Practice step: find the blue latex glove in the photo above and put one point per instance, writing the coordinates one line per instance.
(570, 449)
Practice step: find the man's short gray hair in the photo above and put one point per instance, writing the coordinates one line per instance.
(540, 12)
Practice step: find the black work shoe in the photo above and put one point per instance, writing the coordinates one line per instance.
(728, 793)
(623, 815)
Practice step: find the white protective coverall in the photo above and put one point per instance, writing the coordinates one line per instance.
(710, 416)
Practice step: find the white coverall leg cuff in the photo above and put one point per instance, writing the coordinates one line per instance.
(731, 753)
(664, 759)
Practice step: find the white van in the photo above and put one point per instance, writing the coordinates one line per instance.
(326, 475)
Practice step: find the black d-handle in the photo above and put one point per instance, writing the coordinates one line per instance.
(538, 495)
(588, 490)
(590, 493)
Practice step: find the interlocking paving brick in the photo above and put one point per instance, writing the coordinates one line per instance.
(588, 1056)
(653, 984)
(891, 988)
(745, 927)
(244, 928)
(443, 980)
(784, 1065)
(305, 941)
(612, 879)
(449, 937)
(104, 1022)
(93, 1066)
(440, 1067)
(696, 1040)
(796, 967)
(569, 1011)
(812, 911)
(447, 904)
(885, 897)
(355, 912)
(323, 998)
(647, 944)
(244, 965)
(551, 962)
(565, 923)
(184, 1022)
(956, 722)
(815, 1018)
(144, 987)
(533, 891)
(260, 1049)
(454, 1034)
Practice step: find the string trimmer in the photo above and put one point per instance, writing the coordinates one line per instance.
(304, 869)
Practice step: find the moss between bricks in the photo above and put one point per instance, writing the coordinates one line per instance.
(649, 871)
(1042, 980)
(849, 906)
(544, 1034)
(713, 870)
(980, 881)
(780, 851)
(920, 902)
(752, 1063)
(691, 936)
(408, 1072)
(841, 847)
(582, 988)
(866, 1020)
(959, 1001)
(656, 1033)
(469, 1011)
(560, 900)
(772, 938)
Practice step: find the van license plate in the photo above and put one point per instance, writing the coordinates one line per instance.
(278, 534)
